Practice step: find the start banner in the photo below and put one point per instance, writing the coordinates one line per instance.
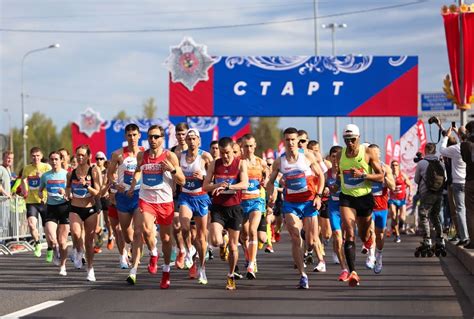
(302, 86)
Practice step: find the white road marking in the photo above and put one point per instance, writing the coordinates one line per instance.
(32, 309)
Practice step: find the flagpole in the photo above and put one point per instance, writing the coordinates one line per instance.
(463, 113)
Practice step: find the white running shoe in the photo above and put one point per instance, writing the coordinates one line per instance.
(202, 276)
(378, 263)
(90, 274)
(62, 271)
(320, 267)
(188, 261)
(56, 258)
(123, 262)
(78, 260)
(370, 262)
(335, 259)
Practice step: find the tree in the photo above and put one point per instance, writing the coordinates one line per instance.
(266, 132)
(65, 137)
(122, 115)
(149, 108)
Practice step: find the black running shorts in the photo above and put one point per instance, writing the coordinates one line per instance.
(230, 217)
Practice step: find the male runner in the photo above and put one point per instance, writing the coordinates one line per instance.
(359, 166)
(398, 198)
(226, 178)
(302, 197)
(159, 170)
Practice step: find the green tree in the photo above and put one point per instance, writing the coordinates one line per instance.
(65, 137)
(266, 132)
(149, 108)
(122, 115)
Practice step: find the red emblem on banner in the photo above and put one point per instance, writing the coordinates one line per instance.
(388, 149)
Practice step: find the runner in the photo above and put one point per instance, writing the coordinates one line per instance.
(65, 159)
(124, 163)
(359, 166)
(380, 192)
(397, 201)
(180, 133)
(214, 149)
(159, 170)
(333, 182)
(102, 202)
(83, 185)
(226, 178)
(253, 204)
(35, 207)
(57, 213)
(302, 198)
(194, 202)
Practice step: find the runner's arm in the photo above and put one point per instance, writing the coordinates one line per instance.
(388, 178)
(244, 178)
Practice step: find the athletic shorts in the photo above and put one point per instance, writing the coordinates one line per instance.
(112, 211)
(301, 210)
(163, 212)
(199, 205)
(35, 210)
(262, 226)
(230, 217)
(252, 205)
(58, 214)
(277, 208)
(380, 218)
(334, 216)
(362, 204)
(104, 203)
(324, 211)
(127, 204)
(397, 202)
(84, 212)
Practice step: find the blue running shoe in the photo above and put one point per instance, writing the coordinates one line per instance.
(304, 283)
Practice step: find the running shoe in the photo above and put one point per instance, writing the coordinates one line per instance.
(165, 280)
(210, 253)
(110, 243)
(97, 250)
(335, 259)
(353, 279)
(378, 263)
(153, 265)
(251, 271)
(230, 283)
(180, 260)
(188, 261)
(62, 271)
(78, 261)
(366, 247)
(132, 279)
(90, 274)
(56, 258)
(99, 239)
(304, 283)
(320, 267)
(123, 262)
(277, 236)
(260, 245)
(223, 251)
(193, 271)
(237, 274)
(344, 275)
(37, 250)
(49, 255)
(269, 249)
(370, 262)
(308, 258)
(398, 239)
(202, 276)
(173, 254)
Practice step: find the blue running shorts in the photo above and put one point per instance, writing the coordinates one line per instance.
(302, 210)
(199, 204)
(397, 202)
(126, 204)
(380, 218)
(252, 205)
(334, 215)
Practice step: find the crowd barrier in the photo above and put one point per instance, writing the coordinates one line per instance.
(14, 232)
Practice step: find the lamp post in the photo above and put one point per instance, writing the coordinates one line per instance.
(23, 115)
(7, 111)
(333, 27)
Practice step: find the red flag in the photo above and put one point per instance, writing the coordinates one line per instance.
(468, 46)
(388, 149)
(451, 29)
(421, 132)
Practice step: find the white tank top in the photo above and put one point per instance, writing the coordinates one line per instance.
(157, 184)
(296, 174)
(192, 186)
(126, 169)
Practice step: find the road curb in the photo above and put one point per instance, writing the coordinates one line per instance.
(465, 256)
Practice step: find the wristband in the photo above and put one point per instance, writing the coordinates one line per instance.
(320, 195)
(173, 172)
(364, 175)
(227, 188)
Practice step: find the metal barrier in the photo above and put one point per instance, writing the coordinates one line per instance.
(14, 230)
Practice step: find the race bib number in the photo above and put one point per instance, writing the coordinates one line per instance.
(350, 181)
(296, 182)
(33, 182)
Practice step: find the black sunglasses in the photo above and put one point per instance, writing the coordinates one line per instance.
(100, 159)
(302, 141)
(154, 137)
(352, 140)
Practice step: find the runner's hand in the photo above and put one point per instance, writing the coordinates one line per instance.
(317, 202)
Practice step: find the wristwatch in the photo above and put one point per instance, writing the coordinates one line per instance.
(364, 175)
(173, 172)
(320, 195)
(227, 187)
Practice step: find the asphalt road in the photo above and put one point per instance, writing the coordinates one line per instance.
(408, 287)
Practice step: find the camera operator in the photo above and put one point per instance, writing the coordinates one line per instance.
(430, 198)
(458, 177)
(467, 153)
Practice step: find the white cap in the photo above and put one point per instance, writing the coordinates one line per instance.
(100, 155)
(351, 130)
(194, 131)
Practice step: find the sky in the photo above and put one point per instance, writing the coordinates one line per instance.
(114, 70)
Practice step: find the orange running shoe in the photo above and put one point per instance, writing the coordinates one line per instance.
(153, 265)
(165, 280)
(110, 243)
(97, 250)
(344, 276)
(193, 271)
(353, 279)
(180, 260)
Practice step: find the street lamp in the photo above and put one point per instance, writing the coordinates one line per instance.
(333, 27)
(7, 111)
(23, 115)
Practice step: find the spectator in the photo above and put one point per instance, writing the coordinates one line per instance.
(4, 182)
(7, 158)
(467, 153)
(430, 201)
(458, 174)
